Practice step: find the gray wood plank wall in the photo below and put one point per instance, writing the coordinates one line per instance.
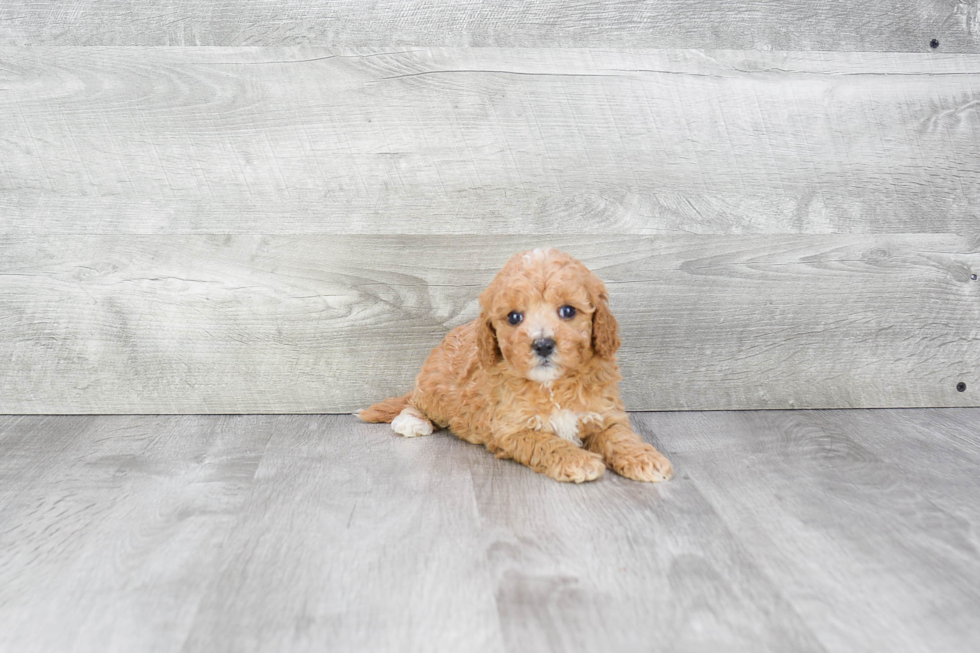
(102, 324)
(871, 25)
(478, 141)
(286, 227)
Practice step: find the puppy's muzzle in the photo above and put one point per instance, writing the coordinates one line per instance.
(543, 347)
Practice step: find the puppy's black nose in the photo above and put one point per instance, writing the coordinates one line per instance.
(543, 347)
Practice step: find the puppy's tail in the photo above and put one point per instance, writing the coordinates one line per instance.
(384, 411)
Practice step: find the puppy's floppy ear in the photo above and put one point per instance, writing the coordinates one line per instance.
(486, 343)
(486, 339)
(605, 329)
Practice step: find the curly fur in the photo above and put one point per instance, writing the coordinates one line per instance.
(488, 386)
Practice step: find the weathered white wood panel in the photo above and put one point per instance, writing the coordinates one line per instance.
(193, 323)
(481, 141)
(904, 25)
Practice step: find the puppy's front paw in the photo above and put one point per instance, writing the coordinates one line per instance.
(576, 466)
(641, 462)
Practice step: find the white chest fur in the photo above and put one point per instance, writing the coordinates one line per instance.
(565, 425)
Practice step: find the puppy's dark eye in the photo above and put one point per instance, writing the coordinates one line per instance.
(566, 312)
(514, 318)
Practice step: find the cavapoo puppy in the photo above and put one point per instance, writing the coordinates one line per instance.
(534, 378)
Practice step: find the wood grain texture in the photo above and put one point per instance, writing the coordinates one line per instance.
(110, 529)
(904, 25)
(654, 564)
(486, 141)
(939, 448)
(863, 544)
(368, 541)
(799, 531)
(227, 324)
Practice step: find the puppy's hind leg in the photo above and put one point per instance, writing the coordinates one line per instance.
(411, 422)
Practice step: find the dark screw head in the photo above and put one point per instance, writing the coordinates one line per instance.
(961, 387)
(934, 44)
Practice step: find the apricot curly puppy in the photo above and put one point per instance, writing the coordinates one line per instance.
(534, 378)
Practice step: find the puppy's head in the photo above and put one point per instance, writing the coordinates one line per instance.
(546, 315)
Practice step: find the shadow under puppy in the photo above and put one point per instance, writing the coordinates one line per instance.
(534, 378)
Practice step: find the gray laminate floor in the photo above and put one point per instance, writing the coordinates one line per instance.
(783, 531)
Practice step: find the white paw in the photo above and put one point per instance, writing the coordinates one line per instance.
(410, 424)
(592, 418)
